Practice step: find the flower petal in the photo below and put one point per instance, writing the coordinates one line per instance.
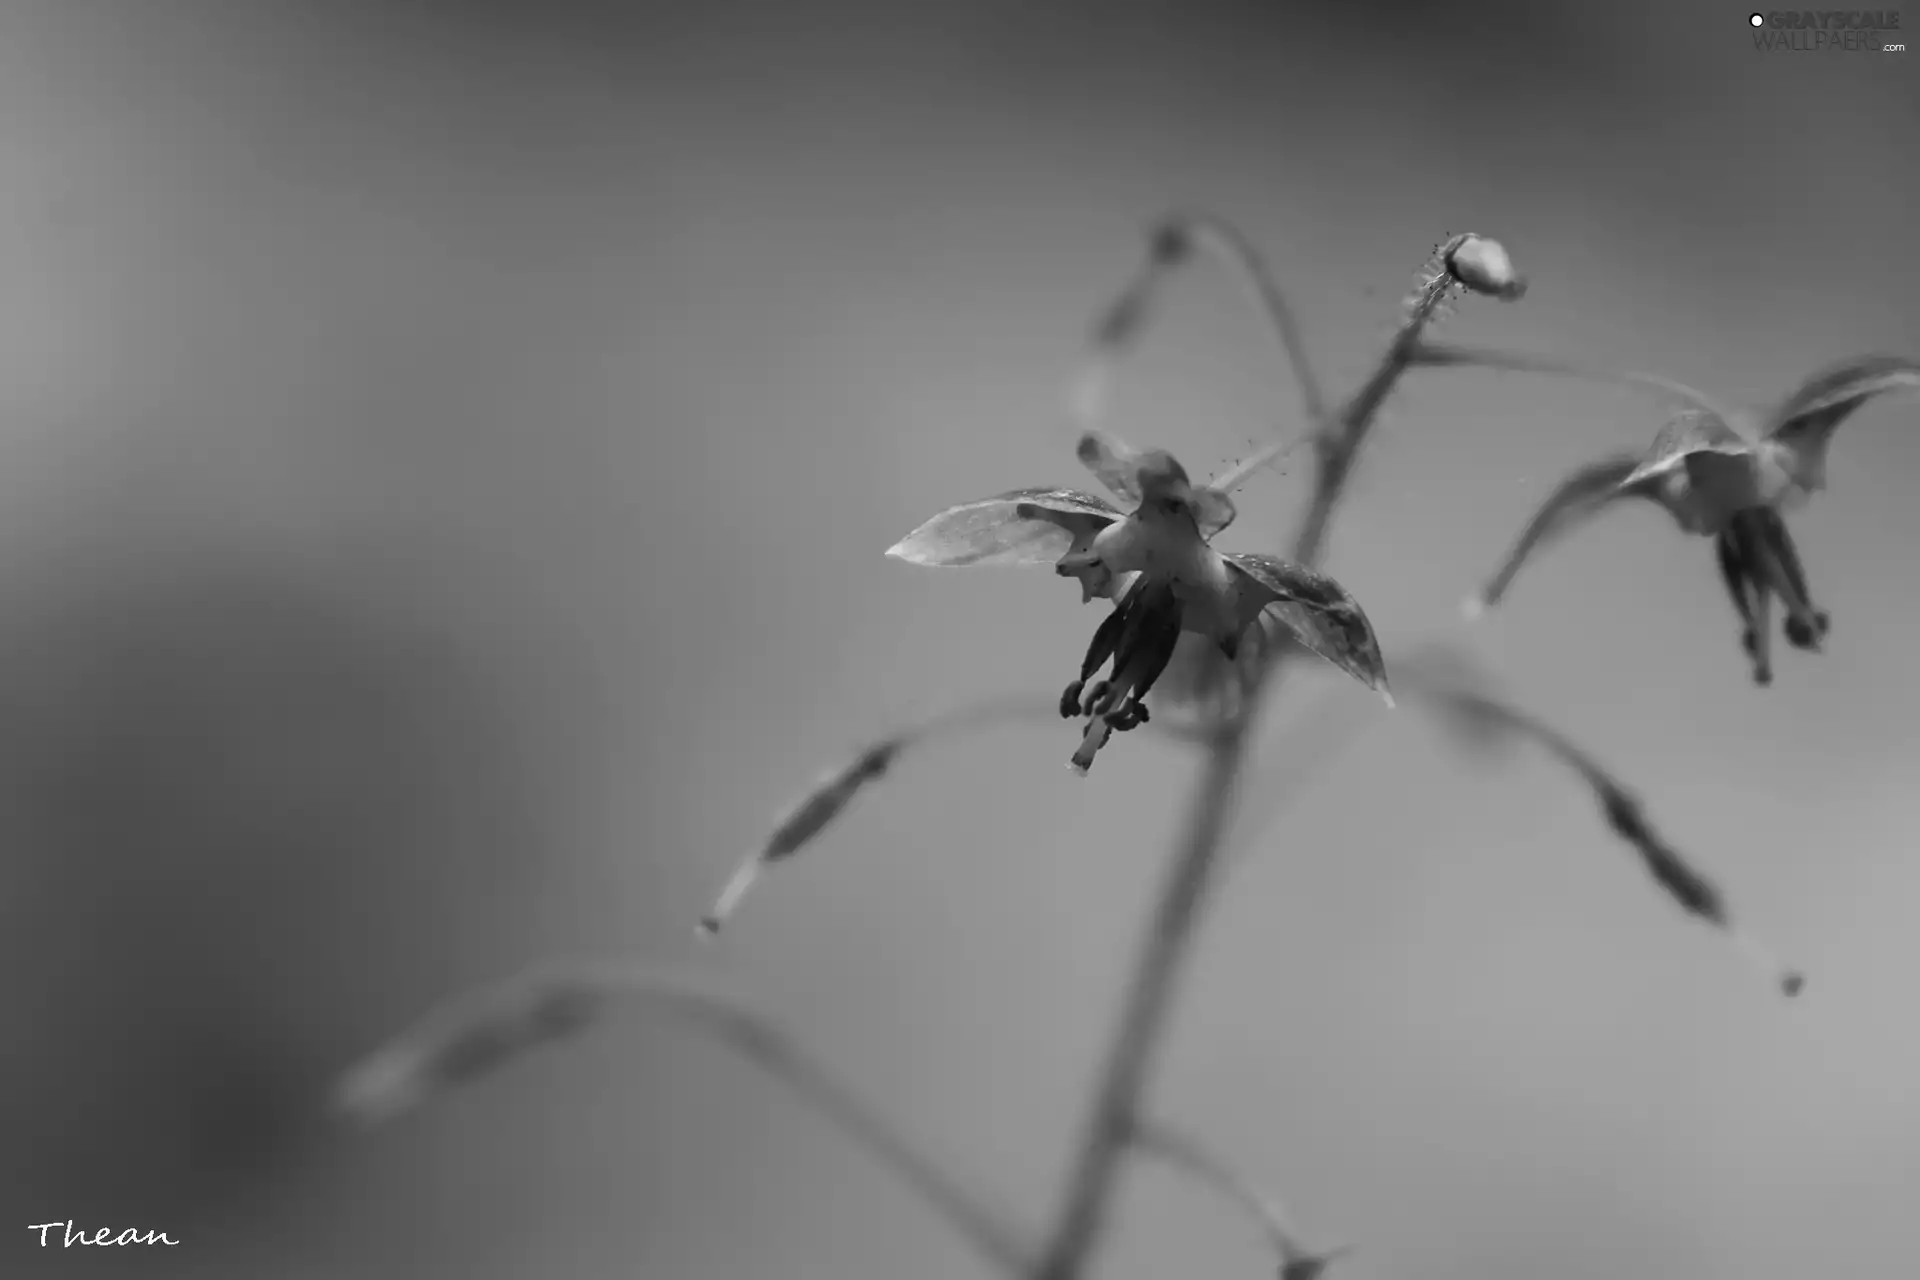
(1689, 433)
(1804, 421)
(1022, 526)
(1213, 510)
(1844, 386)
(1113, 462)
(1578, 498)
(1320, 613)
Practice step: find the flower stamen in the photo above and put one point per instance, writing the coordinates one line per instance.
(1140, 636)
(1106, 638)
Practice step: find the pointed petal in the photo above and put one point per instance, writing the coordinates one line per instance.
(1320, 613)
(1023, 526)
(1843, 387)
(1113, 462)
(1579, 497)
(1805, 420)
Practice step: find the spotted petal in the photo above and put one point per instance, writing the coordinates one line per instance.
(1320, 613)
(1020, 527)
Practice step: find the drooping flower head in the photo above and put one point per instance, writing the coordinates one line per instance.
(1721, 473)
(1155, 561)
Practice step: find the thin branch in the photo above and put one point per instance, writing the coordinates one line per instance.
(481, 1031)
(1337, 451)
(1447, 355)
(1130, 1058)
(1277, 451)
(1190, 876)
(834, 791)
(1228, 243)
(1188, 1155)
(1172, 243)
(1483, 718)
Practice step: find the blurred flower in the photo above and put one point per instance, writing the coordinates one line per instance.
(1719, 473)
(1156, 563)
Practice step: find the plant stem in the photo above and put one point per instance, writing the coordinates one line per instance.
(1156, 973)
(1183, 893)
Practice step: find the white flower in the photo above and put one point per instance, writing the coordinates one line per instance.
(1156, 562)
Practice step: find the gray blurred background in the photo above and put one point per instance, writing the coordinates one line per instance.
(447, 455)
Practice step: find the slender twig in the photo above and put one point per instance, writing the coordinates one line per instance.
(835, 790)
(1337, 450)
(1447, 355)
(1190, 876)
(1171, 242)
(1486, 717)
(1233, 247)
(1188, 1155)
(1278, 451)
(482, 1030)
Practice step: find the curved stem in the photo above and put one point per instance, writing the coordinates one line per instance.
(1186, 1154)
(1232, 247)
(1438, 355)
(477, 1033)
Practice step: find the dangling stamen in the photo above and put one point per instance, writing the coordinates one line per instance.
(1743, 534)
(1738, 579)
(1765, 533)
(1806, 625)
(1150, 609)
(1105, 639)
(1143, 662)
(1148, 633)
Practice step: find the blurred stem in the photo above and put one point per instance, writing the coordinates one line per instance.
(1156, 974)
(1188, 1155)
(1337, 450)
(1190, 876)
(1231, 245)
(1438, 355)
(769, 1047)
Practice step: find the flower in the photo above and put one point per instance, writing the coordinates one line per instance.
(1728, 475)
(1156, 563)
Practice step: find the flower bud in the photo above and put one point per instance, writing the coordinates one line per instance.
(1483, 266)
